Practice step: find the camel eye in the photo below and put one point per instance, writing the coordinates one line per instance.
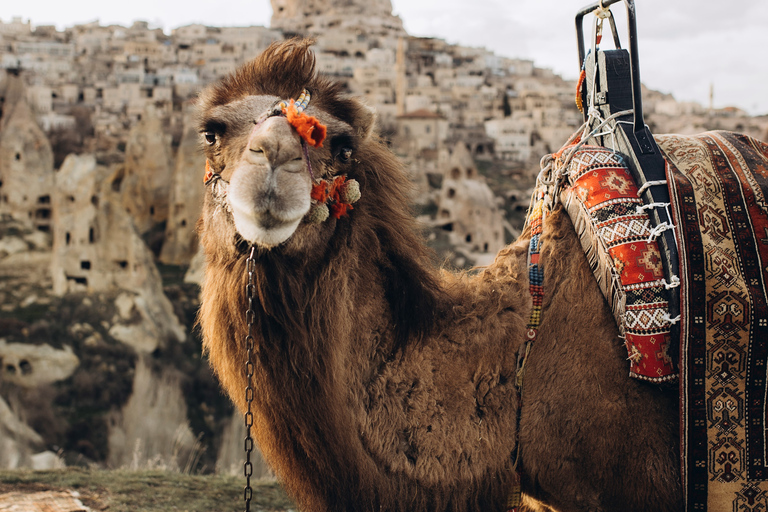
(210, 138)
(345, 155)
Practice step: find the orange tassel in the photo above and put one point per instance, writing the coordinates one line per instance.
(308, 127)
(208, 172)
(579, 85)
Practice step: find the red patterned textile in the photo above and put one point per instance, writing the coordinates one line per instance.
(616, 234)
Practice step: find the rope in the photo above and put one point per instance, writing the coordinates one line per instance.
(649, 184)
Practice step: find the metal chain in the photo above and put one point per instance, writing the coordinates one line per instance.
(249, 370)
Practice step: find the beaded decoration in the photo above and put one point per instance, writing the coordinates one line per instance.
(536, 288)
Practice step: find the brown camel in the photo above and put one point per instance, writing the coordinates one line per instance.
(381, 382)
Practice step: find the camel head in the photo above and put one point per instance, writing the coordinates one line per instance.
(269, 175)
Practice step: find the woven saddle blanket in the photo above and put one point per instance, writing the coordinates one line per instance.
(718, 183)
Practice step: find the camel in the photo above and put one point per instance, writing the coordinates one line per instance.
(381, 381)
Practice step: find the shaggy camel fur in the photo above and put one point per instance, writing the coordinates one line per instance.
(381, 382)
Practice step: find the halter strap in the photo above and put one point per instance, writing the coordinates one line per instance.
(536, 288)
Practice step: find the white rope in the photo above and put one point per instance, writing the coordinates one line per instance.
(659, 230)
(649, 184)
(674, 282)
(667, 318)
(640, 209)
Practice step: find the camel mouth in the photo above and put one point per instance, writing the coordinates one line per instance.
(267, 207)
(264, 230)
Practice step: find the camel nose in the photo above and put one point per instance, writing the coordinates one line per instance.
(275, 140)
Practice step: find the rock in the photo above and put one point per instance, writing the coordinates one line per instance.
(94, 340)
(196, 271)
(125, 305)
(187, 193)
(46, 460)
(229, 459)
(467, 206)
(30, 365)
(32, 299)
(97, 249)
(17, 440)
(38, 240)
(12, 245)
(26, 161)
(152, 431)
(147, 172)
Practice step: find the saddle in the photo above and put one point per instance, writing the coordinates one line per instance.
(676, 231)
(614, 187)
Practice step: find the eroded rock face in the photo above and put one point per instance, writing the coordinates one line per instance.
(147, 171)
(97, 248)
(17, 439)
(468, 205)
(187, 191)
(152, 429)
(30, 365)
(26, 162)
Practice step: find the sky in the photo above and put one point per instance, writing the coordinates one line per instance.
(685, 46)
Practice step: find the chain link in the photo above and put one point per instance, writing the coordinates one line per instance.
(249, 370)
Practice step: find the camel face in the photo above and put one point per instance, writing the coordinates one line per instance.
(264, 168)
(270, 184)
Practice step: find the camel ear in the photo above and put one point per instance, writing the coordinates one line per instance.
(366, 121)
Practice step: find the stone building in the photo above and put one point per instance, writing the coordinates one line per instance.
(26, 161)
(370, 18)
(466, 206)
(421, 130)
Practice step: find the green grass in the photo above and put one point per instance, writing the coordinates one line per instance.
(150, 491)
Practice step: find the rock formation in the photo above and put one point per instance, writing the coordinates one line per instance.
(26, 161)
(148, 169)
(186, 201)
(152, 429)
(96, 248)
(467, 206)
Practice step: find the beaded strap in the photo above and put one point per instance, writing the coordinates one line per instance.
(536, 288)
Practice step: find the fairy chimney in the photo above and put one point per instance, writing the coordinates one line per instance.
(467, 207)
(187, 191)
(96, 248)
(143, 180)
(26, 161)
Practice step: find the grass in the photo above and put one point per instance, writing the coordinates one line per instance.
(150, 491)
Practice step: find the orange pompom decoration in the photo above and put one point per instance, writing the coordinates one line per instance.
(320, 192)
(308, 127)
(338, 210)
(339, 193)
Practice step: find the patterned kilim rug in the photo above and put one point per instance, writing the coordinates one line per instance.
(719, 183)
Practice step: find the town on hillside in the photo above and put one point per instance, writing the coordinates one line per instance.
(101, 189)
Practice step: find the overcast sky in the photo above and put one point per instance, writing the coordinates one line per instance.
(684, 45)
